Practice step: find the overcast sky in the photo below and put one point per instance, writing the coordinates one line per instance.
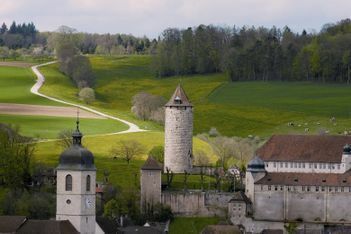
(150, 17)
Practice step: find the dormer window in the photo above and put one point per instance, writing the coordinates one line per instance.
(177, 100)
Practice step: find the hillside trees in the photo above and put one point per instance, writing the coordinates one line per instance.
(148, 107)
(251, 53)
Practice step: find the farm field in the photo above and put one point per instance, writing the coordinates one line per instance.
(235, 109)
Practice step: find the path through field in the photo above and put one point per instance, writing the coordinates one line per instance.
(40, 82)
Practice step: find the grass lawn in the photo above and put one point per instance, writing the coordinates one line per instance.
(240, 109)
(15, 84)
(48, 127)
(121, 173)
(189, 225)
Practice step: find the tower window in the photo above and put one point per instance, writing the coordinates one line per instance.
(88, 182)
(68, 183)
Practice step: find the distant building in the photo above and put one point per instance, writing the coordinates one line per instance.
(178, 133)
(299, 178)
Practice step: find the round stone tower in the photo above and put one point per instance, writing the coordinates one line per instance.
(178, 133)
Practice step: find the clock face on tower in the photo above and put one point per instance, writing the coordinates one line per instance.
(88, 203)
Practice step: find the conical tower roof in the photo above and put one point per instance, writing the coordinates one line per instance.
(179, 98)
(151, 164)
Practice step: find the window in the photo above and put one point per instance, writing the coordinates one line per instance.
(266, 164)
(317, 189)
(286, 165)
(295, 165)
(315, 166)
(275, 188)
(338, 166)
(308, 188)
(303, 165)
(329, 166)
(281, 165)
(324, 166)
(320, 166)
(299, 165)
(303, 188)
(68, 183)
(269, 187)
(88, 183)
(310, 165)
(274, 164)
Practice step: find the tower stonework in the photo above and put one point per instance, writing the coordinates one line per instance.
(76, 179)
(178, 133)
(150, 184)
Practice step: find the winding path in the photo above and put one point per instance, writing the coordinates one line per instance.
(40, 82)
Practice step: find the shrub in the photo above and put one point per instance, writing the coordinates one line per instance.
(87, 95)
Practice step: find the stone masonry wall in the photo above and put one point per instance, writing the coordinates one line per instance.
(197, 203)
(150, 186)
(178, 139)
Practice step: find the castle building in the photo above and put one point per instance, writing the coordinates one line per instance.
(150, 184)
(298, 178)
(178, 133)
(76, 179)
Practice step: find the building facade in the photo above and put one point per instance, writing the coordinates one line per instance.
(304, 179)
(76, 179)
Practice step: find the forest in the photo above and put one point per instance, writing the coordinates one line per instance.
(245, 54)
(250, 53)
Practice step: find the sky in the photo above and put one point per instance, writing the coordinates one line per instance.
(151, 17)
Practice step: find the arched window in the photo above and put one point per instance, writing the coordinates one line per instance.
(88, 182)
(68, 183)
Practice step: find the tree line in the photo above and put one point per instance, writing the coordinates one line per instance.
(250, 53)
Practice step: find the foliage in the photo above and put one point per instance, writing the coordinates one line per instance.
(127, 149)
(148, 107)
(87, 95)
(15, 158)
(65, 138)
(250, 53)
(18, 35)
(157, 152)
(158, 212)
(290, 228)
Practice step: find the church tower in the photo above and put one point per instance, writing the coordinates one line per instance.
(76, 176)
(178, 133)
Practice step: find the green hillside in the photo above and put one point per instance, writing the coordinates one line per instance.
(15, 84)
(240, 108)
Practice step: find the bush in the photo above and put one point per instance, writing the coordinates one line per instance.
(148, 107)
(87, 95)
(157, 152)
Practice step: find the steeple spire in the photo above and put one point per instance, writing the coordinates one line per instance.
(77, 135)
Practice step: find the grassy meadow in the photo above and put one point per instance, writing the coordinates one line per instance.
(48, 127)
(121, 174)
(15, 84)
(235, 109)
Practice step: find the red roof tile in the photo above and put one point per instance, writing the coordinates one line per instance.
(304, 148)
(306, 179)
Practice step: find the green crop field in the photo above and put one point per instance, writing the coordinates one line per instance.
(15, 84)
(240, 108)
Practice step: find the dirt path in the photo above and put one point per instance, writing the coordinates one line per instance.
(40, 82)
(24, 109)
(15, 64)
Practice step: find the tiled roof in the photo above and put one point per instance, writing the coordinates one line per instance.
(306, 179)
(304, 148)
(47, 227)
(9, 224)
(179, 98)
(151, 164)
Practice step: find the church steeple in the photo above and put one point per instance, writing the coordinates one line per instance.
(77, 135)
